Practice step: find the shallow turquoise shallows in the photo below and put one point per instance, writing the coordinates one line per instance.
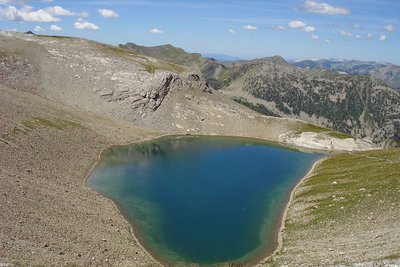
(204, 200)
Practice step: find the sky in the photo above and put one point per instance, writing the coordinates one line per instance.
(295, 29)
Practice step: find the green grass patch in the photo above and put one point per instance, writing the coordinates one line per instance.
(27, 126)
(56, 36)
(339, 135)
(393, 257)
(57, 124)
(3, 54)
(317, 129)
(349, 184)
(311, 128)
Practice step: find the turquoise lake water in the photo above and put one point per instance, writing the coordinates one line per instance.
(204, 200)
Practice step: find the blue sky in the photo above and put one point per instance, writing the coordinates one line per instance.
(297, 29)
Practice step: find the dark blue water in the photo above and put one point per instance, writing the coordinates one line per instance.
(200, 199)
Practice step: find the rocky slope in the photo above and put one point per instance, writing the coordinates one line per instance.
(122, 85)
(358, 105)
(209, 67)
(93, 76)
(388, 73)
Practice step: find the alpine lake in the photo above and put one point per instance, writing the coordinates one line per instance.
(202, 200)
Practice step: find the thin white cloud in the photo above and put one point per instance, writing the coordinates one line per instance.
(56, 28)
(344, 33)
(108, 13)
(324, 8)
(249, 27)
(85, 25)
(308, 29)
(370, 36)
(38, 29)
(156, 31)
(314, 37)
(328, 41)
(279, 28)
(356, 26)
(297, 24)
(382, 38)
(26, 14)
(301, 26)
(389, 28)
(6, 2)
(59, 11)
(231, 31)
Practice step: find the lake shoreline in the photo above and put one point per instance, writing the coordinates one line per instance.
(258, 257)
(280, 240)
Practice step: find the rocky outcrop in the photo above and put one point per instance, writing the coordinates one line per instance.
(151, 99)
(322, 141)
(92, 76)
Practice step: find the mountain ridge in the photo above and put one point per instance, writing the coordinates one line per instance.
(271, 85)
(387, 72)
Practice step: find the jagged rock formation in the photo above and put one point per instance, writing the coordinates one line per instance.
(388, 73)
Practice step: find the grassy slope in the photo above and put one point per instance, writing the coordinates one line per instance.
(316, 129)
(348, 211)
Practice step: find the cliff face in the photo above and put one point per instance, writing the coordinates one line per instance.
(92, 76)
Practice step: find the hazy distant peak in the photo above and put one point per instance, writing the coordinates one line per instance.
(387, 72)
(278, 60)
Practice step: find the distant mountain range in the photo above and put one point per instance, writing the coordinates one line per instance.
(348, 96)
(388, 73)
(221, 57)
